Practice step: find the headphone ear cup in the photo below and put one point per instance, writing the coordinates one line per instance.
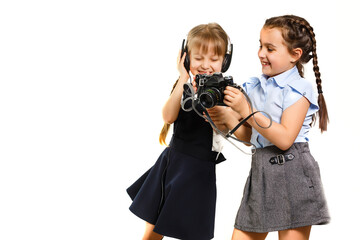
(226, 63)
(187, 59)
(187, 62)
(227, 60)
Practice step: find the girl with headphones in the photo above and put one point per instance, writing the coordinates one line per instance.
(177, 195)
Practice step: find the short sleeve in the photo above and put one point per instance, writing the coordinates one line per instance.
(297, 89)
(250, 84)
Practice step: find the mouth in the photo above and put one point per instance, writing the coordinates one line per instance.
(205, 72)
(264, 64)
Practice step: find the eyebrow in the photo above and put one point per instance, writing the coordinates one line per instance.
(267, 44)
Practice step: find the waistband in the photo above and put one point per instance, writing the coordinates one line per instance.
(274, 155)
(196, 151)
(299, 146)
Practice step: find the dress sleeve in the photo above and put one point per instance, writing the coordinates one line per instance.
(297, 89)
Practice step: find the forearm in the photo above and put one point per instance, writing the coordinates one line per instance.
(277, 134)
(222, 127)
(172, 106)
(243, 133)
(282, 134)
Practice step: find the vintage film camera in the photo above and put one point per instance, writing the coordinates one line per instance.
(211, 88)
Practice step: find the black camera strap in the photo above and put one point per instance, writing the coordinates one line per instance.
(229, 135)
(192, 97)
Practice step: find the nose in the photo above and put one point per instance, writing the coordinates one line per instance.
(205, 64)
(261, 53)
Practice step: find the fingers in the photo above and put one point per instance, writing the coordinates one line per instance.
(232, 91)
(181, 67)
(218, 114)
(230, 99)
(216, 111)
(182, 60)
(234, 98)
(178, 57)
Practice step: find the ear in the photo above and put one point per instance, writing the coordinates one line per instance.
(296, 54)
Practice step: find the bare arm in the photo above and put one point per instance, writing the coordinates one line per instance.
(281, 134)
(227, 119)
(172, 106)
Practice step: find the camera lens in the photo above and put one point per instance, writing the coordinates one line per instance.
(210, 97)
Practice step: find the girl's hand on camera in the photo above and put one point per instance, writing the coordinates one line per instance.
(236, 100)
(218, 115)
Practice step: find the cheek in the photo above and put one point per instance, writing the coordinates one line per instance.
(194, 64)
(193, 69)
(217, 66)
(272, 59)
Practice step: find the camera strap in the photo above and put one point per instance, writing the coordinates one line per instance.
(190, 102)
(194, 101)
(250, 115)
(229, 135)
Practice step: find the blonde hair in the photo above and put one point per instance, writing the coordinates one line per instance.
(199, 37)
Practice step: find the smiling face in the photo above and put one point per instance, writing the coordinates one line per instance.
(205, 60)
(274, 55)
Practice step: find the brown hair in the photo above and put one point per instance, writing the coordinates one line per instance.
(199, 37)
(298, 33)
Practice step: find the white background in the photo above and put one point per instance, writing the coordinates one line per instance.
(81, 91)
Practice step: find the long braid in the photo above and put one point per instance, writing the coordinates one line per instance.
(298, 33)
(322, 113)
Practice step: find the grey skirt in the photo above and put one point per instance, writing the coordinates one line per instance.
(283, 191)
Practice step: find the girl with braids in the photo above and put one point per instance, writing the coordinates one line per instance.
(176, 197)
(283, 191)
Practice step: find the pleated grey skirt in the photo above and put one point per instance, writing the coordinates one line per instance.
(283, 191)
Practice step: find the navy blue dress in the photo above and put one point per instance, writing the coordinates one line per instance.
(178, 193)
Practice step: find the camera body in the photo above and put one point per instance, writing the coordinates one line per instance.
(211, 88)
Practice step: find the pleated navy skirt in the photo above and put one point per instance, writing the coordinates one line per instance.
(178, 193)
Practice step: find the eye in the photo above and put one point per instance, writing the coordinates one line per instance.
(270, 49)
